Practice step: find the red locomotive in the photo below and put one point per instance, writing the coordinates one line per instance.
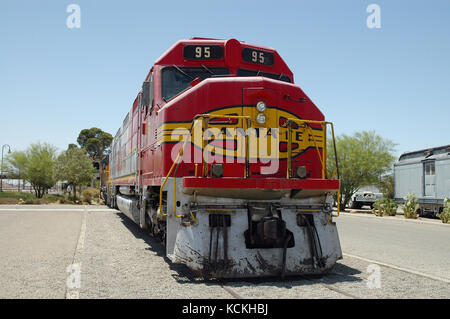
(224, 158)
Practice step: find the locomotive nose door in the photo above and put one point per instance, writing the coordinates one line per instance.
(264, 119)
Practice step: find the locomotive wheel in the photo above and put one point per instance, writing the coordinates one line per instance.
(154, 232)
(149, 227)
(162, 237)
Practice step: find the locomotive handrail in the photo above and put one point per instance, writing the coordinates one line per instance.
(204, 117)
(323, 159)
(168, 174)
(289, 126)
(207, 117)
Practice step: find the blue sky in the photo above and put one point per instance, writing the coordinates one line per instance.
(55, 81)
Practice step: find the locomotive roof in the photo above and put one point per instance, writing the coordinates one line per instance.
(232, 56)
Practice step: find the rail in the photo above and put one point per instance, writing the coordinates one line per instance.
(205, 122)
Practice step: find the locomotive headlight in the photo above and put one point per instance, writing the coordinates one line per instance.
(261, 106)
(261, 118)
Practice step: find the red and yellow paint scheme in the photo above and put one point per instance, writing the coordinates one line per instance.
(170, 182)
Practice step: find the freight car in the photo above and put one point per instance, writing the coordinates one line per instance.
(223, 157)
(426, 173)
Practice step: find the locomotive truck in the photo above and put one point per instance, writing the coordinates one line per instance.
(224, 158)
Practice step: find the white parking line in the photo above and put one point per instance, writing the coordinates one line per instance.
(80, 243)
(73, 281)
(399, 268)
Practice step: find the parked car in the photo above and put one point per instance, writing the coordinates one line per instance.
(365, 196)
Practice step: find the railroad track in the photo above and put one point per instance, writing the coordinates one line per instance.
(319, 281)
(234, 294)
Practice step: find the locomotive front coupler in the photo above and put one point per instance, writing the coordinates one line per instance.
(266, 227)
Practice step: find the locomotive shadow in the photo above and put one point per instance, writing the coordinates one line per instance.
(184, 274)
(338, 274)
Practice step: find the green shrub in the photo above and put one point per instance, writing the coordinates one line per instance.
(445, 214)
(377, 208)
(90, 194)
(52, 198)
(28, 198)
(71, 200)
(385, 206)
(8, 201)
(35, 201)
(17, 195)
(390, 207)
(411, 206)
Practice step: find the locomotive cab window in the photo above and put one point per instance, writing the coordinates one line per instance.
(147, 94)
(281, 77)
(176, 79)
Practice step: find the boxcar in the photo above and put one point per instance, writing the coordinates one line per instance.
(426, 173)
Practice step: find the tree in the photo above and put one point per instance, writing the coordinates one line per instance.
(362, 159)
(75, 167)
(95, 141)
(16, 163)
(71, 145)
(36, 166)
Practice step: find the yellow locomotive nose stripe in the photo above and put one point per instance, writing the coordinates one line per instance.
(302, 138)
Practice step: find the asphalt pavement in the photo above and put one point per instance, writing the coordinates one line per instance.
(64, 251)
(422, 246)
(35, 249)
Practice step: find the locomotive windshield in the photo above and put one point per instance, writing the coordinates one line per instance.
(177, 79)
(281, 77)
